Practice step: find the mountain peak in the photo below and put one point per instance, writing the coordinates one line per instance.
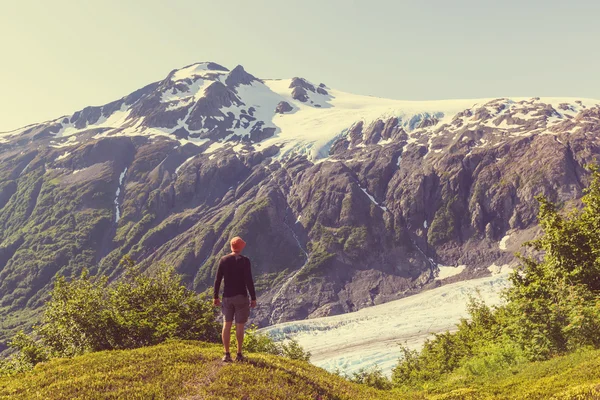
(239, 76)
(197, 69)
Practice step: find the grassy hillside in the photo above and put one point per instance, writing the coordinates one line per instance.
(193, 370)
(576, 376)
(186, 370)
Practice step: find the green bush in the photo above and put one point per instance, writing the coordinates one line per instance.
(292, 350)
(493, 359)
(29, 353)
(87, 314)
(372, 377)
(255, 342)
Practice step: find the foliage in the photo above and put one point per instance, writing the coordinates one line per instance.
(372, 377)
(493, 359)
(356, 243)
(29, 353)
(444, 222)
(446, 352)
(86, 314)
(317, 263)
(292, 350)
(256, 342)
(554, 304)
(574, 376)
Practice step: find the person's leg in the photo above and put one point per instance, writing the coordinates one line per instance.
(226, 335)
(239, 335)
(228, 312)
(242, 312)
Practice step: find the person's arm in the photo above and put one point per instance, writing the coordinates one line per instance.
(250, 283)
(218, 280)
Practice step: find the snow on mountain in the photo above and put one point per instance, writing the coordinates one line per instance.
(312, 130)
(371, 336)
(202, 69)
(446, 272)
(205, 102)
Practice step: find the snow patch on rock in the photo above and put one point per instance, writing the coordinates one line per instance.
(373, 199)
(117, 210)
(500, 269)
(214, 147)
(504, 242)
(181, 99)
(71, 141)
(184, 163)
(446, 272)
(63, 156)
(198, 69)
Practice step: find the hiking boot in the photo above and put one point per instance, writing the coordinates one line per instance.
(227, 358)
(240, 357)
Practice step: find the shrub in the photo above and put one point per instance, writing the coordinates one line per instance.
(87, 314)
(292, 350)
(261, 343)
(493, 359)
(372, 377)
(409, 371)
(29, 353)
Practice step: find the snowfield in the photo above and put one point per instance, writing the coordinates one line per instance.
(312, 126)
(370, 336)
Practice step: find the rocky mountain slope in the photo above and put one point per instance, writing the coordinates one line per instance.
(345, 201)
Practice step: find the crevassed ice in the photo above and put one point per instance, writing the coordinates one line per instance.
(371, 335)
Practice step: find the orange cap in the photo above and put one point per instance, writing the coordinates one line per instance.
(237, 244)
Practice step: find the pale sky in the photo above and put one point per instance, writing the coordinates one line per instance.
(58, 56)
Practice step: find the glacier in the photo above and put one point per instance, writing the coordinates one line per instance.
(370, 336)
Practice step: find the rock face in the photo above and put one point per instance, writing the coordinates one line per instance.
(302, 89)
(238, 76)
(339, 213)
(283, 107)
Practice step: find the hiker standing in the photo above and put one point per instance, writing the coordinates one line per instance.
(236, 270)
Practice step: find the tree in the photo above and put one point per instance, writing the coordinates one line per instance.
(554, 304)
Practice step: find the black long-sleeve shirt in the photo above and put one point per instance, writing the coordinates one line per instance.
(237, 272)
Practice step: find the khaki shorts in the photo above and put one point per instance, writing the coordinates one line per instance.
(238, 306)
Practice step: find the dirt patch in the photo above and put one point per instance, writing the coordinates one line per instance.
(198, 384)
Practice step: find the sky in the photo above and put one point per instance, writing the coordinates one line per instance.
(59, 56)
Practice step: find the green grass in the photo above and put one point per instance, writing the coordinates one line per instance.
(178, 370)
(193, 370)
(576, 376)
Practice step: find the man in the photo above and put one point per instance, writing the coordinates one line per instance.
(235, 268)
